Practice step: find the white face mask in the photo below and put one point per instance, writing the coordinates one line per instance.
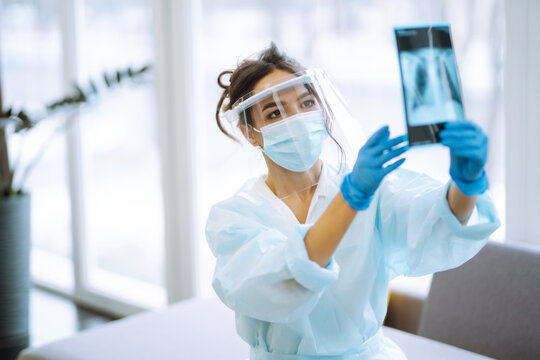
(295, 143)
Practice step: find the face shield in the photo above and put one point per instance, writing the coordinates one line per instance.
(300, 122)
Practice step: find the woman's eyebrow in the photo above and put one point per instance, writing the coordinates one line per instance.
(269, 105)
(273, 104)
(307, 93)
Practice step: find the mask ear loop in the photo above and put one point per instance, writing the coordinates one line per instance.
(257, 131)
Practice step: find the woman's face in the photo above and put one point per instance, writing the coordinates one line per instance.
(284, 104)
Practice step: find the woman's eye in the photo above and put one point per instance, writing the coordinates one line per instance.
(308, 103)
(273, 115)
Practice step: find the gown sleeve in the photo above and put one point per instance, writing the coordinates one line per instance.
(419, 232)
(263, 272)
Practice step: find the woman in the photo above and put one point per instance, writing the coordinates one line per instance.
(305, 253)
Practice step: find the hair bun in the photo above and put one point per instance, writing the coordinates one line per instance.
(220, 82)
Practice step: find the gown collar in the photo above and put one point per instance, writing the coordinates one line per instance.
(321, 192)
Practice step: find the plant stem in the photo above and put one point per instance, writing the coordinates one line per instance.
(6, 175)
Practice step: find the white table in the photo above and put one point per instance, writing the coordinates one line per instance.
(418, 347)
(195, 329)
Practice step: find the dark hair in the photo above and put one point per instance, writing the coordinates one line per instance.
(244, 78)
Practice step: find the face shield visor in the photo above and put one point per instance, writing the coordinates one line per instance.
(300, 122)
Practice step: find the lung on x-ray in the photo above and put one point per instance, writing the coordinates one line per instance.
(430, 81)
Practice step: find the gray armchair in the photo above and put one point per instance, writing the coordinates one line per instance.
(490, 305)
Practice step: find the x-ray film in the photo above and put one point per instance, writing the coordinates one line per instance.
(430, 81)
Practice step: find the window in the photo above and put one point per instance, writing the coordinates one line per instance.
(121, 182)
(110, 210)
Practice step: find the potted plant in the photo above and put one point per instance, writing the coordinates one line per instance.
(15, 204)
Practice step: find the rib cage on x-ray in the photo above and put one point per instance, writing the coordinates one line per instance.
(431, 85)
(442, 74)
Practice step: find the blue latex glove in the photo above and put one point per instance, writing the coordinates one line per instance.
(468, 154)
(359, 186)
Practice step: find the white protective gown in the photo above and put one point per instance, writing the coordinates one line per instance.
(288, 307)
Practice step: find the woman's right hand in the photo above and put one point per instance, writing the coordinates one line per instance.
(359, 186)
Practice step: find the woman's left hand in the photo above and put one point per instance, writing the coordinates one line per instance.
(468, 155)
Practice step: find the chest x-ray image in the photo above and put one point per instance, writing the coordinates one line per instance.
(430, 81)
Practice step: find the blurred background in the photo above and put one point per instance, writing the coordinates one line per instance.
(120, 199)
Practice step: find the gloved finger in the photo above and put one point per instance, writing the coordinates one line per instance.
(460, 124)
(461, 130)
(466, 139)
(465, 143)
(393, 166)
(392, 154)
(453, 142)
(471, 155)
(460, 127)
(461, 150)
(382, 133)
(465, 146)
(459, 135)
(389, 144)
